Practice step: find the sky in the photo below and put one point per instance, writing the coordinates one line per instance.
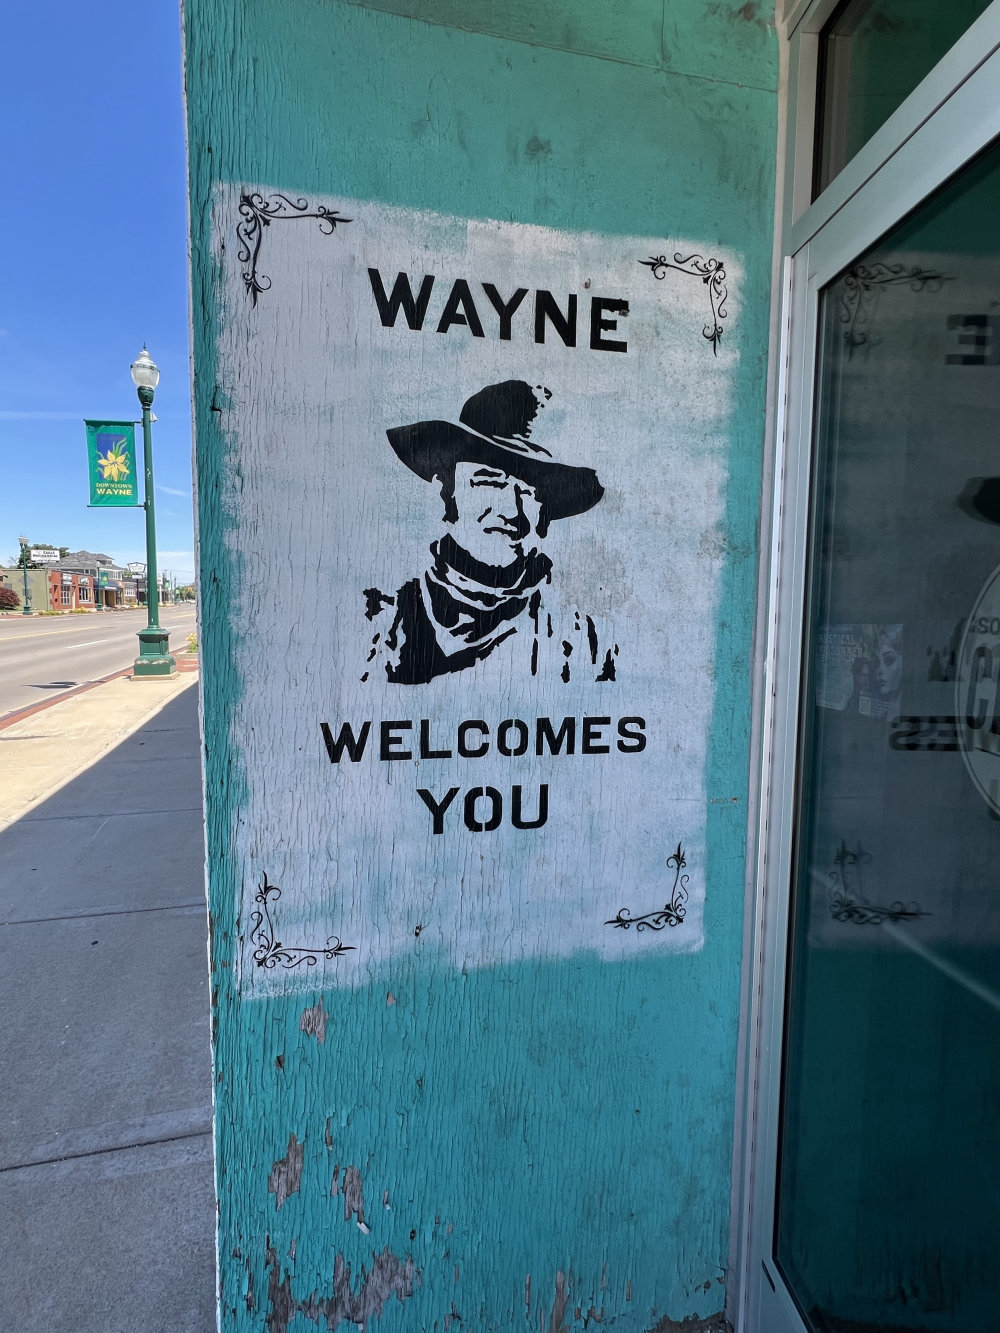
(94, 245)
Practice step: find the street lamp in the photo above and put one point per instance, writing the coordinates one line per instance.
(25, 553)
(154, 658)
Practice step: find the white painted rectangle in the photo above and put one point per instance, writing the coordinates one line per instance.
(320, 510)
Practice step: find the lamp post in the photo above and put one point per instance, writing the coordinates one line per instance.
(154, 658)
(25, 553)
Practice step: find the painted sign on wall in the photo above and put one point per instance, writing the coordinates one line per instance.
(479, 468)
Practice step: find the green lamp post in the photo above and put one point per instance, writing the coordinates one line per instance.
(25, 556)
(154, 658)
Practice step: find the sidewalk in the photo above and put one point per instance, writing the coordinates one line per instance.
(105, 1123)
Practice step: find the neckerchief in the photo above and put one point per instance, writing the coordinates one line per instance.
(469, 603)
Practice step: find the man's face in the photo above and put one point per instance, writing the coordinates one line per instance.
(497, 513)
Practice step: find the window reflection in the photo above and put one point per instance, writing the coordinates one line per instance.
(889, 1165)
(873, 53)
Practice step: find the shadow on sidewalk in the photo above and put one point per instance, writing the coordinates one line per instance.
(105, 1124)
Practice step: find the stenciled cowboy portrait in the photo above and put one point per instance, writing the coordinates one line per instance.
(485, 580)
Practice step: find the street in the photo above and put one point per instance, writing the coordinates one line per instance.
(43, 657)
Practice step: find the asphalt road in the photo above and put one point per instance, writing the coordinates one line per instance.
(43, 657)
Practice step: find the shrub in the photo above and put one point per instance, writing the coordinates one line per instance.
(8, 598)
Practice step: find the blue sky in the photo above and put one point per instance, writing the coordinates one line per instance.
(94, 245)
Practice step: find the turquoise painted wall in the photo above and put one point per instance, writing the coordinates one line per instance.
(545, 1144)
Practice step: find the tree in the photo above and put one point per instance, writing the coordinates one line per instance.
(9, 599)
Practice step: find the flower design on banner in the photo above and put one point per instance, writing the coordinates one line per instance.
(114, 464)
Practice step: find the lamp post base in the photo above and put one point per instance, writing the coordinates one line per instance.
(154, 660)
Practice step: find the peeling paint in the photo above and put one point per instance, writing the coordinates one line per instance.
(557, 1324)
(715, 1323)
(279, 1295)
(286, 1173)
(389, 1276)
(354, 1198)
(313, 1022)
(538, 148)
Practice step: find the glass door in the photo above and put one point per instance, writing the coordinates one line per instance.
(874, 1201)
(888, 1172)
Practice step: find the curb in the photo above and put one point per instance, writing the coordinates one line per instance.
(9, 719)
(20, 714)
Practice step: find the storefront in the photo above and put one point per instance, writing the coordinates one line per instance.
(604, 914)
(109, 591)
(873, 1119)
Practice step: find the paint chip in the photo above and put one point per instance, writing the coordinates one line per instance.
(354, 1201)
(286, 1173)
(388, 1277)
(313, 1022)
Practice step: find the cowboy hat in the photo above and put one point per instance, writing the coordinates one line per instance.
(494, 428)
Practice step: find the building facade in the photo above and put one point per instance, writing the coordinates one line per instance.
(597, 531)
(52, 589)
(111, 585)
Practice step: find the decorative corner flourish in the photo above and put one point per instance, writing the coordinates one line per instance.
(712, 272)
(847, 895)
(862, 287)
(671, 913)
(256, 213)
(270, 952)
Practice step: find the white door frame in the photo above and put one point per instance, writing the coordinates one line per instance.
(946, 121)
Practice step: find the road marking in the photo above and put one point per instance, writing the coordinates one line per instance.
(90, 643)
(48, 633)
(42, 634)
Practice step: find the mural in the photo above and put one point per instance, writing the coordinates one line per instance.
(493, 528)
(500, 493)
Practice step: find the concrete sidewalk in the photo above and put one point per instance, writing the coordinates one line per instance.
(106, 1194)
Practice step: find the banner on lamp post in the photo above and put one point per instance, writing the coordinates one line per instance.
(111, 459)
